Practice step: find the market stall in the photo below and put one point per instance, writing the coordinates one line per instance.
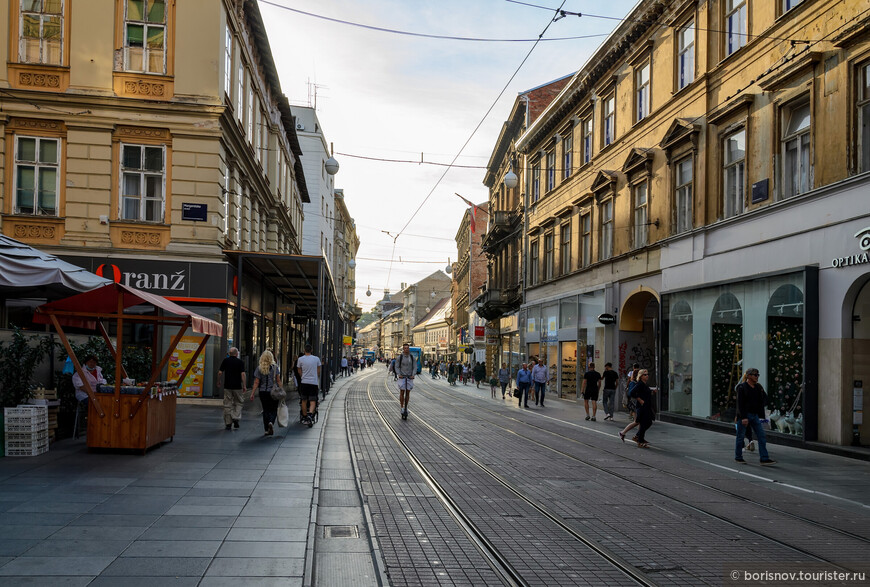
(126, 416)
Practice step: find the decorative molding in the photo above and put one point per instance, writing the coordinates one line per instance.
(780, 79)
(39, 77)
(138, 236)
(34, 230)
(744, 101)
(140, 133)
(144, 87)
(37, 125)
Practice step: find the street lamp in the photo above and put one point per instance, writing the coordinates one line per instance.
(351, 263)
(449, 269)
(331, 164)
(510, 179)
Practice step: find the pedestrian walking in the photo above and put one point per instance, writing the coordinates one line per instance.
(631, 403)
(540, 377)
(231, 375)
(344, 367)
(750, 411)
(309, 368)
(504, 378)
(451, 373)
(645, 410)
(524, 381)
(405, 369)
(493, 382)
(611, 380)
(466, 373)
(589, 389)
(267, 376)
(391, 368)
(479, 373)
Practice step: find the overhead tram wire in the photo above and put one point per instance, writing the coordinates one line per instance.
(424, 35)
(474, 132)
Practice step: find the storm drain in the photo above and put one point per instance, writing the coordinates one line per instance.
(340, 532)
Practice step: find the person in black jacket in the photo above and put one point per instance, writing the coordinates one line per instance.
(750, 409)
(645, 413)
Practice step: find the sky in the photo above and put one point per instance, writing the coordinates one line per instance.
(387, 96)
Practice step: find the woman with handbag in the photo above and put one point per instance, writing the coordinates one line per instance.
(267, 379)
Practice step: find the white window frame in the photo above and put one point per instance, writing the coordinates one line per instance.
(568, 154)
(565, 247)
(736, 24)
(683, 194)
(240, 91)
(37, 166)
(797, 172)
(43, 44)
(789, 4)
(551, 169)
(605, 249)
(146, 50)
(586, 131)
(642, 80)
(609, 123)
(686, 54)
(640, 214)
(549, 255)
(226, 222)
(249, 111)
(143, 174)
(733, 178)
(536, 182)
(228, 63)
(863, 108)
(586, 238)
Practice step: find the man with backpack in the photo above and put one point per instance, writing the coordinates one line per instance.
(405, 369)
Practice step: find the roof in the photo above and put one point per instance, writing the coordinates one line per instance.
(435, 315)
(24, 269)
(105, 300)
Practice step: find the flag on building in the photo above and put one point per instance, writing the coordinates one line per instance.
(473, 214)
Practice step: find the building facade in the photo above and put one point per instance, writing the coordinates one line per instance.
(697, 211)
(469, 277)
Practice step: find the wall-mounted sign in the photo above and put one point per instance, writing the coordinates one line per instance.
(479, 331)
(347, 340)
(195, 212)
(760, 190)
(863, 237)
(607, 319)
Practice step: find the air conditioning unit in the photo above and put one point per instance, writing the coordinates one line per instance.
(300, 126)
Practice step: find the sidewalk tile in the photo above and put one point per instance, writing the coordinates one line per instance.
(253, 549)
(172, 548)
(256, 567)
(53, 565)
(157, 567)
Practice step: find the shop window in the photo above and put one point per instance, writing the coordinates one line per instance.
(565, 247)
(734, 174)
(796, 161)
(727, 356)
(536, 182)
(605, 248)
(145, 36)
(41, 32)
(568, 373)
(568, 312)
(864, 116)
(586, 131)
(142, 182)
(586, 238)
(785, 356)
(551, 170)
(736, 25)
(548, 256)
(640, 202)
(568, 154)
(686, 54)
(683, 180)
(533, 263)
(680, 354)
(609, 122)
(642, 91)
(37, 175)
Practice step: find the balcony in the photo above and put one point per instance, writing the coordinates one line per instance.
(492, 304)
(501, 223)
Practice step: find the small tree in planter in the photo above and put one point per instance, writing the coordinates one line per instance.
(18, 361)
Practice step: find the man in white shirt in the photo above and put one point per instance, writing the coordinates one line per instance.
(309, 368)
(405, 369)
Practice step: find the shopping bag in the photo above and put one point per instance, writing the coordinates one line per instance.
(283, 415)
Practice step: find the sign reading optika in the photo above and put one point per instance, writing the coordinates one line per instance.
(863, 237)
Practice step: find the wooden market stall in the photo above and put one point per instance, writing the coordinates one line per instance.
(127, 416)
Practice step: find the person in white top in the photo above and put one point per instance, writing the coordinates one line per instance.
(406, 369)
(93, 374)
(344, 370)
(309, 368)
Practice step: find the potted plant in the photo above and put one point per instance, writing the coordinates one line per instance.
(19, 358)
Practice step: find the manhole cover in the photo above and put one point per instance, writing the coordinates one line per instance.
(340, 532)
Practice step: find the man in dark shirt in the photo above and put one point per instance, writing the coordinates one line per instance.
(611, 380)
(232, 376)
(750, 409)
(591, 381)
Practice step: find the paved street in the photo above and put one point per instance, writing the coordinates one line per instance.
(468, 491)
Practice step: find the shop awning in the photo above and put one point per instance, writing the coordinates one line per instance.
(79, 310)
(31, 272)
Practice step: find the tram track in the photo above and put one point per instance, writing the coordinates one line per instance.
(499, 562)
(430, 395)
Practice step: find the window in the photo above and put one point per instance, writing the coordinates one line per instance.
(586, 131)
(736, 25)
(686, 55)
(796, 165)
(789, 4)
(145, 36)
(605, 250)
(533, 263)
(609, 119)
(567, 154)
(683, 172)
(37, 175)
(142, 183)
(228, 62)
(551, 170)
(640, 195)
(237, 201)
(226, 223)
(864, 116)
(240, 91)
(586, 239)
(536, 182)
(250, 113)
(734, 174)
(41, 38)
(548, 256)
(565, 247)
(642, 90)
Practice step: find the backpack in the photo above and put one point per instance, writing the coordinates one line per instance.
(631, 386)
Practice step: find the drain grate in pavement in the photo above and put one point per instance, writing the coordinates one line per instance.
(340, 532)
